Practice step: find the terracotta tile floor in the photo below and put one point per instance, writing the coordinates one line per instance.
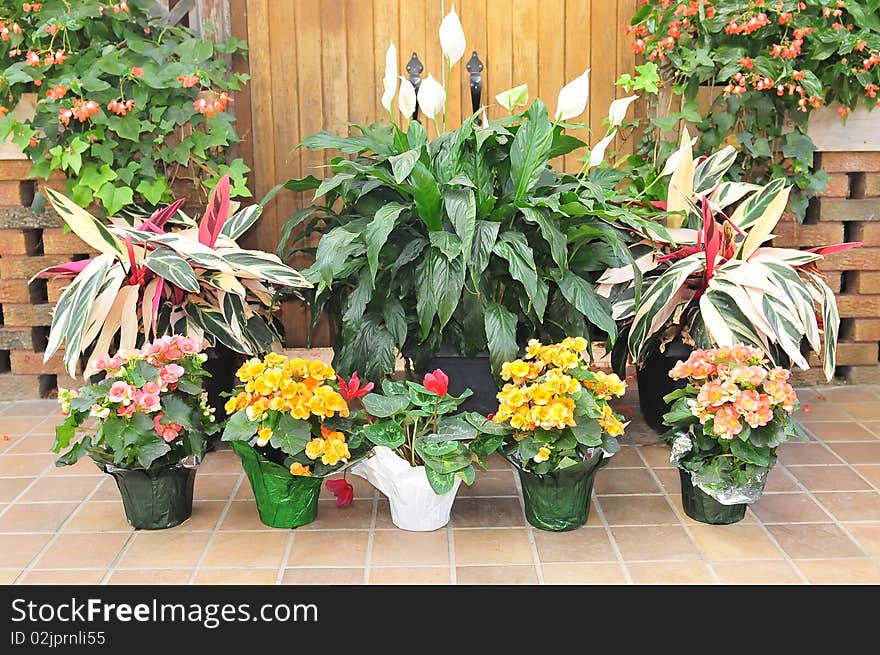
(818, 522)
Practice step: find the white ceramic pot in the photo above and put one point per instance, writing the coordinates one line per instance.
(414, 505)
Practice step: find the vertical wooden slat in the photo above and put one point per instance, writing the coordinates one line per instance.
(473, 19)
(499, 51)
(551, 56)
(458, 74)
(334, 65)
(241, 105)
(433, 57)
(525, 47)
(577, 58)
(603, 64)
(385, 29)
(360, 62)
(625, 62)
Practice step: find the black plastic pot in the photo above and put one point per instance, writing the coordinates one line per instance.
(560, 500)
(701, 507)
(473, 373)
(222, 364)
(654, 382)
(155, 498)
(283, 500)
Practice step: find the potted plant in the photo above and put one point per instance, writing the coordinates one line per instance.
(455, 250)
(716, 281)
(290, 426)
(555, 425)
(165, 274)
(150, 421)
(725, 426)
(421, 450)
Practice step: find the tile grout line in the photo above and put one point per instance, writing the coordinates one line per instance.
(614, 545)
(279, 578)
(36, 558)
(786, 557)
(374, 513)
(530, 530)
(38, 476)
(683, 524)
(220, 519)
(450, 542)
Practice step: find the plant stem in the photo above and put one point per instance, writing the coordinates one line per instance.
(446, 89)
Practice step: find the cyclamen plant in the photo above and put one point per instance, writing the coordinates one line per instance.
(126, 104)
(726, 423)
(149, 405)
(772, 61)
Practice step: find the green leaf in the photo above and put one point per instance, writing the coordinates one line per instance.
(454, 428)
(749, 453)
(384, 406)
(501, 336)
(177, 410)
(290, 434)
(426, 194)
(395, 320)
(448, 243)
(154, 190)
(485, 236)
(440, 282)
(588, 433)
(170, 266)
(515, 250)
(581, 295)
(377, 231)
(530, 150)
(95, 178)
(385, 433)
(239, 427)
(461, 207)
(402, 164)
(441, 483)
(151, 451)
(115, 198)
(552, 234)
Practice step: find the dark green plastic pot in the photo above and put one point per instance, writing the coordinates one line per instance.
(560, 500)
(701, 507)
(283, 500)
(155, 499)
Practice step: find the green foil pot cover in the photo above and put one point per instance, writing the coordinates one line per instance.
(560, 500)
(283, 500)
(155, 498)
(701, 507)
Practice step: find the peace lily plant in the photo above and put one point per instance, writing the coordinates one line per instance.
(469, 240)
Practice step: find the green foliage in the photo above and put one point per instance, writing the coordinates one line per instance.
(471, 240)
(767, 75)
(71, 53)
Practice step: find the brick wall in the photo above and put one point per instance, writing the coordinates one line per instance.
(29, 242)
(849, 210)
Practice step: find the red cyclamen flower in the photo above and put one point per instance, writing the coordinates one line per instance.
(343, 491)
(353, 389)
(438, 382)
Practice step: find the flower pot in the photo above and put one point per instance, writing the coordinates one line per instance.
(654, 382)
(414, 505)
(473, 373)
(283, 500)
(222, 364)
(155, 498)
(701, 507)
(560, 500)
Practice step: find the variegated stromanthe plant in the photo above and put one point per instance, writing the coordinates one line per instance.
(719, 282)
(167, 274)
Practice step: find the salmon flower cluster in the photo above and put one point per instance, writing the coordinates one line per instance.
(735, 386)
(542, 388)
(296, 386)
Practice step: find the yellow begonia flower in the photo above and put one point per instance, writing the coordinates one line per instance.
(517, 369)
(263, 436)
(250, 369)
(231, 405)
(256, 410)
(275, 359)
(542, 455)
(610, 423)
(533, 348)
(298, 469)
(298, 368)
(334, 451)
(542, 394)
(315, 448)
(605, 386)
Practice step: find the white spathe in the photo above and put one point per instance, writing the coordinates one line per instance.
(675, 157)
(414, 505)
(518, 96)
(573, 97)
(389, 82)
(597, 154)
(617, 110)
(431, 96)
(406, 99)
(452, 40)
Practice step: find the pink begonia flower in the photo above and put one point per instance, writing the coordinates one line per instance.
(148, 402)
(169, 431)
(126, 410)
(151, 388)
(120, 392)
(171, 373)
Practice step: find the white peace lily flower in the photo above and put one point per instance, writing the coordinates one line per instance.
(452, 40)
(617, 110)
(389, 82)
(406, 99)
(573, 97)
(518, 96)
(597, 154)
(431, 96)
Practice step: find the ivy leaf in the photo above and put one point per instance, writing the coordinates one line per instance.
(94, 178)
(115, 198)
(153, 191)
(799, 146)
